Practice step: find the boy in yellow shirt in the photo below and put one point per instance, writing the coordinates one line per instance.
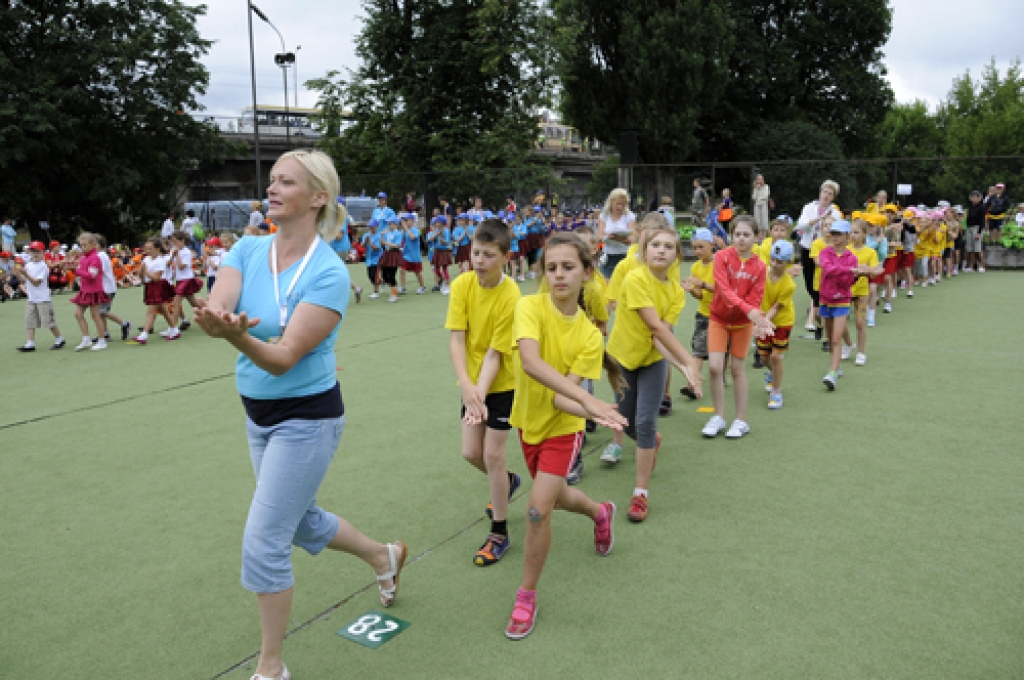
(866, 257)
(777, 304)
(481, 315)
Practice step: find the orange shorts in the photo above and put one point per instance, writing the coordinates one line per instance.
(732, 339)
(553, 456)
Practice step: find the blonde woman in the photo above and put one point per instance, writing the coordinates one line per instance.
(279, 300)
(615, 228)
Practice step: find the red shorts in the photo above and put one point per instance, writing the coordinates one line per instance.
(878, 280)
(552, 456)
(188, 287)
(779, 341)
(891, 265)
(906, 260)
(415, 267)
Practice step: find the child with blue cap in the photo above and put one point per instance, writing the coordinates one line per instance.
(777, 306)
(701, 285)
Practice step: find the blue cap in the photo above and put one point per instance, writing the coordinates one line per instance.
(463, 216)
(785, 217)
(839, 227)
(488, 215)
(703, 234)
(783, 251)
(477, 217)
(394, 219)
(341, 200)
(408, 216)
(372, 223)
(537, 208)
(382, 195)
(437, 220)
(501, 215)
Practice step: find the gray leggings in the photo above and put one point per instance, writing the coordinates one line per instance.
(641, 400)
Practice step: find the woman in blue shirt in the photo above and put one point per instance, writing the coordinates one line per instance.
(280, 301)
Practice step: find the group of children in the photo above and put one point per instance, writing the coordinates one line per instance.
(168, 270)
(525, 361)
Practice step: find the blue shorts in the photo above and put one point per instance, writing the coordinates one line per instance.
(833, 311)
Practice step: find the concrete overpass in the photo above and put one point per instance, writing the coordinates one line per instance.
(235, 179)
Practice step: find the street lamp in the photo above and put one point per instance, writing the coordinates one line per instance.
(255, 112)
(283, 60)
(296, 67)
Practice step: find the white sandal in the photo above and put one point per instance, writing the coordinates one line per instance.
(285, 675)
(388, 595)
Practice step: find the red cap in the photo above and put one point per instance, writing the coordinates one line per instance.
(4, 253)
(37, 245)
(54, 243)
(215, 241)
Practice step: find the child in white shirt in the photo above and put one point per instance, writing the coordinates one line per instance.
(35, 274)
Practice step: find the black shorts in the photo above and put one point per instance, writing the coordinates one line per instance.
(499, 409)
(389, 275)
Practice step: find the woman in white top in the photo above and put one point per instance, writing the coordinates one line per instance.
(615, 229)
(256, 216)
(761, 196)
(809, 228)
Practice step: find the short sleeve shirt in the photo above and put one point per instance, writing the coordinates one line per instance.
(631, 341)
(487, 317)
(324, 283)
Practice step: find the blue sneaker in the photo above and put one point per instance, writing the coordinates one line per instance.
(492, 550)
(576, 473)
(514, 481)
(775, 401)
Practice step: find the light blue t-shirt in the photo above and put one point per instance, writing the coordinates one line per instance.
(324, 283)
(393, 237)
(458, 233)
(444, 240)
(373, 249)
(342, 243)
(411, 249)
(382, 215)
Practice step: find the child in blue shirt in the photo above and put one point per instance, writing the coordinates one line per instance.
(391, 260)
(412, 256)
(374, 250)
(440, 238)
(460, 242)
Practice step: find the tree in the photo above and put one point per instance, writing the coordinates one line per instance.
(448, 90)
(93, 132)
(912, 131)
(983, 118)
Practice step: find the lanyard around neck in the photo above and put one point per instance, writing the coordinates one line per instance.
(283, 309)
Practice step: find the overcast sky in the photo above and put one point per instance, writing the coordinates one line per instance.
(932, 42)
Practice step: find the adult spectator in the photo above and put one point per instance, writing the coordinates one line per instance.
(9, 233)
(188, 225)
(997, 206)
(478, 207)
(168, 226)
(382, 212)
(762, 198)
(974, 245)
(410, 203)
(700, 203)
(280, 301)
(809, 227)
(668, 210)
(615, 228)
(256, 213)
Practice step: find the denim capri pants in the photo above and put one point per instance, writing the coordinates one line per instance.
(290, 460)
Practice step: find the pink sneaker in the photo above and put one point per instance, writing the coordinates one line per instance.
(604, 539)
(524, 614)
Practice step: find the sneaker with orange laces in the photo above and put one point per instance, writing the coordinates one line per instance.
(492, 550)
(524, 614)
(604, 539)
(637, 509)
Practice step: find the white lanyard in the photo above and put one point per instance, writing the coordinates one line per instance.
(283, 309)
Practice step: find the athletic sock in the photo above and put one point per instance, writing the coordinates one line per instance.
(500, 528)
(640, 492)
(29, 343)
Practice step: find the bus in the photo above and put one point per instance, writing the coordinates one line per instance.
(274, 121)
(554, 136)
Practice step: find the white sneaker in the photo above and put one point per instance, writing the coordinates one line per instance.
(401, 291)
(894, 291)
(165, 333)
(532, 275)
(860, 360)
(373, 296)
(445, 290)
(421, 290)
(100, 344)
(393, 298)
(981, 270)
(888, 308)
(714, 426)
(910, 293)
(85, 344)
(522, 278)
(737, 429)
(871, 318)
(846, 352)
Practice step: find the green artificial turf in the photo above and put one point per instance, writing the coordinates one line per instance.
(870, 532)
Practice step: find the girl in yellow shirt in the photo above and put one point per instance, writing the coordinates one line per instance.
(557, 347)
(650, 301)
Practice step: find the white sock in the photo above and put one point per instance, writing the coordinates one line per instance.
(30, 343)
(640, 492)
(59, 338)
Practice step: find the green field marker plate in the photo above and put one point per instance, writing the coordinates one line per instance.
(373, 629)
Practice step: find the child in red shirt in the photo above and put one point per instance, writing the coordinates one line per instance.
(735, 316)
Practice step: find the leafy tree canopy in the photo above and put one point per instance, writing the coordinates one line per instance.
(93, 132)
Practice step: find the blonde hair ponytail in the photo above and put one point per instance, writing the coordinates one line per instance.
(322, 177)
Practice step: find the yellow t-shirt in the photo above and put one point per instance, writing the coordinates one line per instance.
(780, 291)
(764, 250)
(487, 316)
(865, 256)
(595, 300)
(631, 262)
(631, 341)
(923, 247)
(942, 240)
(706, 273)
(816, 247)
(570, 344)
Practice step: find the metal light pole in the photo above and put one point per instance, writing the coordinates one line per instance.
(255, 113)
(296, 67)
(282, 60)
